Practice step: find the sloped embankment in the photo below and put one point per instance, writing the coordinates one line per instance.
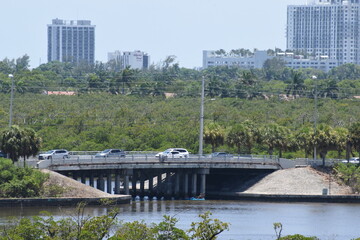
(298, 181)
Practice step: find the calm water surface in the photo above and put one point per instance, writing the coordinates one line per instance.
(249, 220)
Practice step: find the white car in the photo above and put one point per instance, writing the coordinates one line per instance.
(174, 152)
(352, 160)
(54, 154)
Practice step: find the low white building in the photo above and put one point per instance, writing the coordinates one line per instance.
(134, 60)
(257, 60)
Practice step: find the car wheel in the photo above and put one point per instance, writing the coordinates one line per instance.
(50, 157)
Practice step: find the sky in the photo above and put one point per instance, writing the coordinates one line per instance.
(183, 28)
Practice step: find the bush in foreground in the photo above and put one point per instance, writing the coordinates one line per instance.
(16, 182)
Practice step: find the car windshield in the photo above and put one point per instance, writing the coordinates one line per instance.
(106, 151)
(49, 152)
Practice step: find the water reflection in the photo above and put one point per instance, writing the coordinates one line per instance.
(249, 220)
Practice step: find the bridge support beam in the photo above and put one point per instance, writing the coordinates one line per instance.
(83, 178)
(117, 183)
(133, 185)
(194, 184)
(91, 179)
(159, 185)
(168, 184)
(186, 185)
(151, 184)
(142, 186)
(177, 184)
(126, 184)
(101, 182)
(109, 183)
(202, 184)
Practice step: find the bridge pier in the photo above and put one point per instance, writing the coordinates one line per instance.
(186, 185)
(194, 185)
(109, 182)
(91, 179)
(177, 185)
(133, 184)
(126, 185)
(117, 183)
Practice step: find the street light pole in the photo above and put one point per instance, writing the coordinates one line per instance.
(315, 113)
(11, 98)
(201, 134)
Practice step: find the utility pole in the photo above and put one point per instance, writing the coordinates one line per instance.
(201, 134)
(11, 98)
(315, 113)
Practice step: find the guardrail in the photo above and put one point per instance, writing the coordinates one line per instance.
(150, 158)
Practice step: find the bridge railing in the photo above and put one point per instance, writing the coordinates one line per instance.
(150, 158)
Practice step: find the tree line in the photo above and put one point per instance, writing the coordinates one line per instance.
(244, 136)
(273, 79)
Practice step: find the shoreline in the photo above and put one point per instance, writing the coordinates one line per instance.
(234, 196)
(281, 198)
(15, 202)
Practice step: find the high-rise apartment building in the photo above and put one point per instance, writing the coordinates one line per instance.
(326, 28)
(71, 41)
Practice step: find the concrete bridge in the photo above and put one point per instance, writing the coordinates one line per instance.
(145, 175)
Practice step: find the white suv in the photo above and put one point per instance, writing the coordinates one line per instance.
(174, 152)
(54, 154)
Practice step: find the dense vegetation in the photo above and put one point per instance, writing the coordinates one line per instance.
(18, 182)
(258, 111)
(80, 227)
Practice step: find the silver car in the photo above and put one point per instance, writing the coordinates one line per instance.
(111, 153)
(54, 154)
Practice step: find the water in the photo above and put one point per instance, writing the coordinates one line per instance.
(249, 220)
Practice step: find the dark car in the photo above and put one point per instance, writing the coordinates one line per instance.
(111, 153)
(2, 154)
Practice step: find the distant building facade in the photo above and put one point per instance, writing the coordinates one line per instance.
(71, 41)
(326, 28)
(257, 60)
(134, 60)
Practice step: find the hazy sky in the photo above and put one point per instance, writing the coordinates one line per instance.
(159, 27)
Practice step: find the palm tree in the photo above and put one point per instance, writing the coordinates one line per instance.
(274, 137)
(214, 134)
(242, 135)
(19, 142)
(354, 136)
(297, 86)
(325, 139)
(305, 139)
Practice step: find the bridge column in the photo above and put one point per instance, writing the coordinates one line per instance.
(177, 184)
(142, 186)
(109, 182)
(126, 184)
(74, 175)
(117, 183)
(159, 184)
(83, 178)
(203, 173)
(186, 185)
(133, 185)
(101, 182)
(193, 184)
(168, 184)
(151, 184)
(202, 184)
(91, 179)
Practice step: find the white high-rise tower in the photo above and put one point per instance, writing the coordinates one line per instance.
(71, 41)
(326, 28)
